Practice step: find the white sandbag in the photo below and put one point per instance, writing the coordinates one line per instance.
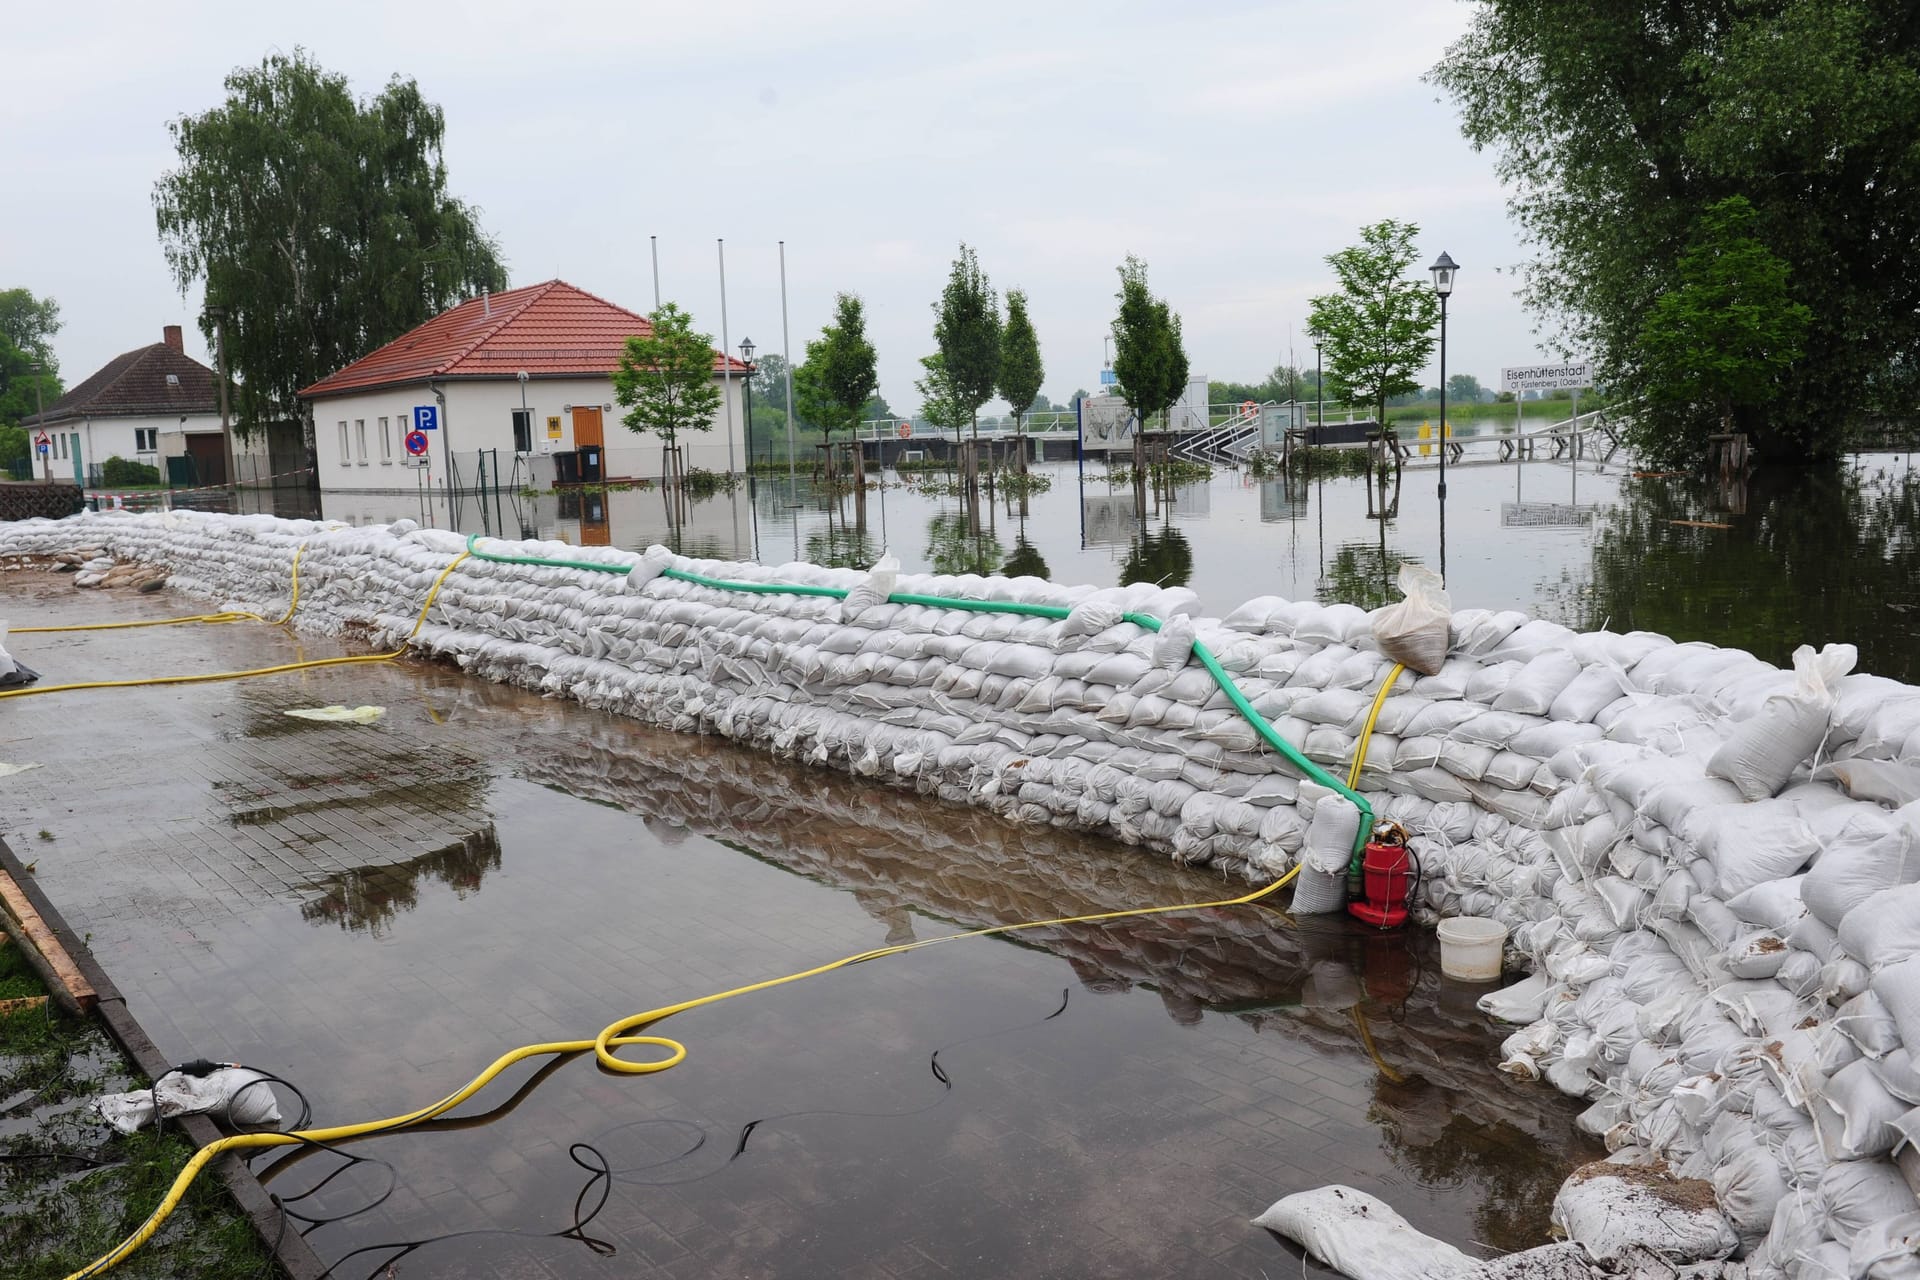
(1869, 854)
(1859, 1193)
(1751, 844)
(1587, 695)
(1173, 644)
(236, 1096)
(654, 561)
(1748, 1185)
(1888, 1249)
(1889, 782)
(1609, 1209)
(1545, 678)
(1524, 1001)
(1885, 928)
(1855, 1114)
(1363, 1238)
(1415, 632)
(1898, 987)
(1773, 904)
(1760, 755)
(880, 583)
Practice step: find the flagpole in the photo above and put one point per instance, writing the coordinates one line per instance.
(786, 357)
(726, 361)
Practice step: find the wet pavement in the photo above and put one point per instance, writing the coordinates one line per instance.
(375, 912)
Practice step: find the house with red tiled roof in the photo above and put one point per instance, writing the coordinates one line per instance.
(143, 405)
(519, 382)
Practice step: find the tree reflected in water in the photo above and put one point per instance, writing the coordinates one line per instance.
(1362, 573)
(1161, 556)
(956, 545)
(370, 898)
(841, 546)
(1026, 561)
(1810, 556)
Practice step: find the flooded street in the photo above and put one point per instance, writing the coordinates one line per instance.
(376, 912)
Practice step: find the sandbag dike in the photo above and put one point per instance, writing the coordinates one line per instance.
(1733, 982)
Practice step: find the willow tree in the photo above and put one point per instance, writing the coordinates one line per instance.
(319, 222)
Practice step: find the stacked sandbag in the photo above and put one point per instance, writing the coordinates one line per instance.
(1706, 861)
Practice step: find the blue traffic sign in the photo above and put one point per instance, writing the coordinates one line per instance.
(426, 417)
(1108, 378)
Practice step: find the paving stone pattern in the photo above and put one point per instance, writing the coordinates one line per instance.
(377, 911)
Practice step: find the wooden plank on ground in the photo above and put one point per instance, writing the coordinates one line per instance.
(21, 1004)
(24, 922)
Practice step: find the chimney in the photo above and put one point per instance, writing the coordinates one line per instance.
(171, 336)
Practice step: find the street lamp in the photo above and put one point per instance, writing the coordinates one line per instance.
(1443, 270)
(1319, 394)
(746, 358)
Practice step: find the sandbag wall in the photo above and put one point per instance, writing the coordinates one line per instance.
(1733, 981)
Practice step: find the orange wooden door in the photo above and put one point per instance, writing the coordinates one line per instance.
(587, 427)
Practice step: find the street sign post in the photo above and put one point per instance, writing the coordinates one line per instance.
(43, 442)
(1547, 377)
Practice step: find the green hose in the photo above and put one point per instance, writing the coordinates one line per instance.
(1054, 611)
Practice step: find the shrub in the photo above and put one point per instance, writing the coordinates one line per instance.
(117, 470)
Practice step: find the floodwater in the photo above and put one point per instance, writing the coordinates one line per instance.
(1765, 564)
(377, 911)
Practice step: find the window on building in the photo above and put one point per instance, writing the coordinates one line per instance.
(346, 455)
(146, 439)
(523, 431)
(360, 434)
(386, 444)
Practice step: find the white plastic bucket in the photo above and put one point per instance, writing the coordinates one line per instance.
(1470, 948)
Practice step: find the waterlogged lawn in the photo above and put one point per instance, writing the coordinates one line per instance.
(70, 1186)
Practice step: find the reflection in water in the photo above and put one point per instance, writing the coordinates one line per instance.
(1362, 573)
(1441, 1147)
(1161, 556)
(841, 546)
(1811, 556)
(1026, 561)
(1367, 1002)
(956, 544)
(368, 898)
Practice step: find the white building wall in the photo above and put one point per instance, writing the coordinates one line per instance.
(103, 438)
(479, 415)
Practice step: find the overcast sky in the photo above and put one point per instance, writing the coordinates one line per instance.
(1232, 146)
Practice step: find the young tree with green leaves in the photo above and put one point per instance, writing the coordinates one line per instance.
(1149, 356)
(665, 379)
(29, 373)
(1021, 370)
(839, 375)
(320, 223)
(940, 404)
(967, 330)
(1377, 333)
(1721, 338)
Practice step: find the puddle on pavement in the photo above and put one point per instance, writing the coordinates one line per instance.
(1074, 1100)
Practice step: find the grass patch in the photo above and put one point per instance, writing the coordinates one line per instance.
(83, 1187)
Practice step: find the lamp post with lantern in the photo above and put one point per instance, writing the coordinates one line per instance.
(746, 358)
(1443, 269)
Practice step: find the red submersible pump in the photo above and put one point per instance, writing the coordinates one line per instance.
(1387, 878)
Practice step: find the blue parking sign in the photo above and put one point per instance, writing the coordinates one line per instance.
(426, 417)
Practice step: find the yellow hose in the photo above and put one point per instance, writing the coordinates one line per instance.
(235, 615)
(1366, 734)
(206, 677)
(604, 1047)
